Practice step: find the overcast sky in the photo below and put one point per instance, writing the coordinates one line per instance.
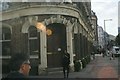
(107, 9)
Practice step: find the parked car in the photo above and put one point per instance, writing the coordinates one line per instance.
(116, 51)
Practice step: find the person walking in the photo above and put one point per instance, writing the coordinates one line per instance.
(112, 56)
(93, 55)
(103, 52)
(65, 63)
(19, 67)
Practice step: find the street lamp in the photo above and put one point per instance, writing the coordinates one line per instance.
(105, 31)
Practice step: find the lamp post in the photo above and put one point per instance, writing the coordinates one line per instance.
(105, 31)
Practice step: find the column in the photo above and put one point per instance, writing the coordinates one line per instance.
(69, 44)
(43, 66)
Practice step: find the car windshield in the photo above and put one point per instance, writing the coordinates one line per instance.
(117, 49)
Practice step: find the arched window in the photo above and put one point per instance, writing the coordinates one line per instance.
(34, 40)
(6, 41)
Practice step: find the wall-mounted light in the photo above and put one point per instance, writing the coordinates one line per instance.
(41, 27)
(49, 32)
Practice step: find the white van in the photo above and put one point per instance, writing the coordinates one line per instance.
(116, 51)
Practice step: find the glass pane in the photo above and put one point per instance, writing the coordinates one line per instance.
(34, 46)
(0, 36)
(32, 31)
(6, 33)
(7, 36)
(0, 48)
(6, 48)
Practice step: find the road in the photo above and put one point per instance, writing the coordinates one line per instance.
(100, 67)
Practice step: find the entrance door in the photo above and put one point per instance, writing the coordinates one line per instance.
(56, 44)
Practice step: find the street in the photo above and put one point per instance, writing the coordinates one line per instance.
(100, 67)
(46, 30)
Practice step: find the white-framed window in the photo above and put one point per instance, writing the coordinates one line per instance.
(34, 41)
(5, 40)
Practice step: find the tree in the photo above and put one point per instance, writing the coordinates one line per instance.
(117, 40)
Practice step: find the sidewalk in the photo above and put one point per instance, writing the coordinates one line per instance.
(100, 67)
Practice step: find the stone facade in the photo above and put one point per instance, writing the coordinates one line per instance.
(95, 29)
(101, 36)
(70, 26)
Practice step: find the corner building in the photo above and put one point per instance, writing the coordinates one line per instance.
(44, 31)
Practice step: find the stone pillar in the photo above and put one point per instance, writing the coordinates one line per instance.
(71, 49)
(69, 45)
(43, 66)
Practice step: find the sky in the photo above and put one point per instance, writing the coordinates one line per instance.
(107, 9)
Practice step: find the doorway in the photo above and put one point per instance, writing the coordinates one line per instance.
(56, 44)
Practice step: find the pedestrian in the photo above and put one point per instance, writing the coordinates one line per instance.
(103, 52)
(93, 55)
(110, 55)
(19, 67)
(65, 63)
(108, 52)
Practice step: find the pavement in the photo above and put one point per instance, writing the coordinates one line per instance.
(100, 67)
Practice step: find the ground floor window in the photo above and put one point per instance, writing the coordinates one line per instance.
(5, 40)
(34, 41)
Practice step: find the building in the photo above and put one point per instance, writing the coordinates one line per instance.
(103, 37)
(118, 17)
(44, 31)
(95, 29)
(101, 41)
(106, 38)
(112, 37)
(118, 30)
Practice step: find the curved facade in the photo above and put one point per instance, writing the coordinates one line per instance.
(46, 30)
